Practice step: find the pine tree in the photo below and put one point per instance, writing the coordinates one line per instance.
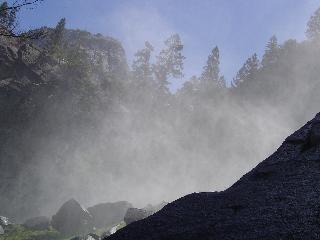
(7, 17)
(141, 67)
(211, 72)
(271, 53)
(169, 62)
(313, 25)
(56, 36)
(247, 72)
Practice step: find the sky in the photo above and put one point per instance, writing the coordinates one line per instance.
(238, 27)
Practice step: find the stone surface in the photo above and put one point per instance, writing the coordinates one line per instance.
(278, 199)
(4, 221)
(1, 230)
(135, 214)
(37, 223)
(107, 214)
(72, 218)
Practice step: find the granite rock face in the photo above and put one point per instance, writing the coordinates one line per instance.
(72, 218)
(135, 214)
(278, 199)
(106, 214)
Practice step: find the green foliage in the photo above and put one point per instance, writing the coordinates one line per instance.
(247, 72)
(141, 67)
(75, 61)
(211, 71)
(7, 17)
(56, 36)
(169, 62)
(271, 54)
(313, 25)
(21, 233)
(210, 76)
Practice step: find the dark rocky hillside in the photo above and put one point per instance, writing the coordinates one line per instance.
(279, 199)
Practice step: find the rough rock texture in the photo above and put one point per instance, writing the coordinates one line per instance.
(112, 53)
(135, 214)
(278, 199)
(37, 223)
(151, 209)
(72, 218)
(90, 236)
(5, 224)
(106, 214)
(4, 221)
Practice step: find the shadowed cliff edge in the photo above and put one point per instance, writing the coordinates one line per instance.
(278, 199)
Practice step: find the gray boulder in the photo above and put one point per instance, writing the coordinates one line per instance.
(72, 219)
(107, 214)
(135, 214)
(90, 236)
(37, 223)
(151, 209)
(1, 230)
(4, 221)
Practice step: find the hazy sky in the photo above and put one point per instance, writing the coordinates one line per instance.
(238, 27)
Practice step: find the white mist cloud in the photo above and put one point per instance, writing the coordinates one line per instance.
(137, 24)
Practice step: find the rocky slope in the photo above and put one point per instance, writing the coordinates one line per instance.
(278, 199)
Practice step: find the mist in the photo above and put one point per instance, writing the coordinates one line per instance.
(121, 132)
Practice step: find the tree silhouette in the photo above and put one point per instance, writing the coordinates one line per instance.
(313, 25)
(247, 72)
(169, 62)
(8, 22)
(271, 53)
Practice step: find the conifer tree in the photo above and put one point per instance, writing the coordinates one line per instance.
(56, 36)
(7, 17)
(271, 53)
(211, 71)
(141, 67)
(169, 62)
(313, 25)
(247, 72)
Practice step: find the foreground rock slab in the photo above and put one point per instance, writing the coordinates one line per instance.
(278, 199)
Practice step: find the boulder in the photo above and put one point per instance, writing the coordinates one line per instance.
(135, 214)
(37, 223)
(151, 209)
(107, 214)
(1, 230)
(72, 219)
(278, 199)
(92, 236)
(4, 221)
